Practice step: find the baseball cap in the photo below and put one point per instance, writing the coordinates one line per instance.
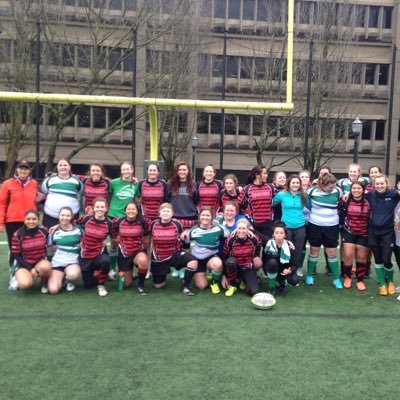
(24, 164)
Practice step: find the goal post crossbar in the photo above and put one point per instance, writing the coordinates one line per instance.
(150, 103)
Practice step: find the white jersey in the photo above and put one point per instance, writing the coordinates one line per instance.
(68, 246)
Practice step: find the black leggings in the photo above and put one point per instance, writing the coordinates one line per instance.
(273, 266)
(249, 275)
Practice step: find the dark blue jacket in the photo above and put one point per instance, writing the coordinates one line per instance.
(382, 207)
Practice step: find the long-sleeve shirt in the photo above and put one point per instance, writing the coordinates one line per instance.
(382, 206)
(257, 201)
(292, 209)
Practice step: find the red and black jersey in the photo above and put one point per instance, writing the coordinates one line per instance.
(357, 215)
(244, 250)
(92, 190)
(95, 233)
(165, 237)
(208, 193)
(257, 201)
(153, 194)
(130, 235)
(224, 197)
(30, 245)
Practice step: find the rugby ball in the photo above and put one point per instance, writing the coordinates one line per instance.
(263, 301)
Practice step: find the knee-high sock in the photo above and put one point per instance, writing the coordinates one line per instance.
(272, 279)
(380, 274)
(334, 266)
(216, 276)
(311, 265)
(113, 260)
(389, 272)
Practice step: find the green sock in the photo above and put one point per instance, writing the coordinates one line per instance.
(272, 280)
(311, 265)
(380, 274)
(389, 272)
(334, 266)
(113, 260)
(216, 276)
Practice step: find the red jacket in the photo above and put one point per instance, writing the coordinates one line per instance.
(16, 200)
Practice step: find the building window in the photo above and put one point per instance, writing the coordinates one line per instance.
(99, 117)
(262, 13)
(219, 8)
(234, 9)
(246, 67)
(84, 117)
(383, 74)
(387, 18)
(114, 116)
(215, 125)
(305, 11)
(373, 17)
(114, 59)
(248, 9)
(356, 73)
(360, 16)
(231, 67)
(115, 4)
(244, 125)
(206, 9)
(202, 123)
(370, 74)
(380, 130)
(366, 131)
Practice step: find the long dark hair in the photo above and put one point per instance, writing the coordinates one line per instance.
(350, 197)
(254, 172)
(139, 217)
(175, 183)
(21, 232)
(287, 188)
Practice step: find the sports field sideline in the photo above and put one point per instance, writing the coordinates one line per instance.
(315, 343)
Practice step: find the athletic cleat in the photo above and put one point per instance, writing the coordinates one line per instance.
(391, 288)
(361, 286)
(347, 282)
(300, 273)
(337, 283)
(309, 280)
(44, 289)
(102, 291)
(187, 291)
(69, 287)
(148, 274)
(142, 291)
(112, 275)
(383, 290)
(242, 285)
(182, 273)
(231, 291)
(215, 288)
(175, 273)
(272, 291)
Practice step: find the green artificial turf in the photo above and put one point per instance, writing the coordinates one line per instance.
(316, 343)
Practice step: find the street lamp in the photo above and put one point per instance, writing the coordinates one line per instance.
(356, 127)
(195, 143)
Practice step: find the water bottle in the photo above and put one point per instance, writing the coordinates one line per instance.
(121, 281)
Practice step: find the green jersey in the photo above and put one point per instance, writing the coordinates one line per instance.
(121, 193)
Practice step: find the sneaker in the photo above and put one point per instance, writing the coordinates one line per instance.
(231, 291)
(309, 280)
(102, 291)
(182, 273)
(175, 273)
(142, 291)
(300, 273)
(13, 284)
(391, 288)
(347, 282)
(148, 274)
(242, 285)
(44, 289)
(398, 289)
(337, 283)
(361, 286)
(215, 288)
(187, 291)
(112, 275)
(272, 291)
(69, 287)
(383, 290)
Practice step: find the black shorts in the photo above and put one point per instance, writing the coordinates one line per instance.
(92, 264)
(384, 237)
(348, 237)
(179, 260)
(61, 269)
(264, 230)
(202, 264)
(29, 268)
(126, 263)
(328, 236)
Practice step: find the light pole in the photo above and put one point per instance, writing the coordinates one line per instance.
(195, 143)
(356, 127)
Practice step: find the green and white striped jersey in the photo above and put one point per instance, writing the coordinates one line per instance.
(68, 246)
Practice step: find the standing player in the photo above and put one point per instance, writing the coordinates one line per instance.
(209, 189)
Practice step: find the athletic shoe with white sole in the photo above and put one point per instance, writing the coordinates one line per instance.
(231, 291)
(102, 291)
(337, 283)
(112, 275)
(309, 280)
(142, 291)
(300, 272)
(44, 289)
(215, 288)
(187, 291)
(70, 287)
